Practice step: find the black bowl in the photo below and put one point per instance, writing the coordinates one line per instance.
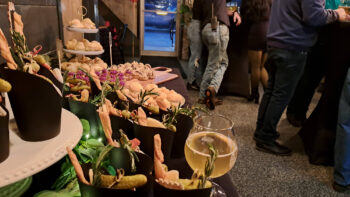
(47, 73)
(146, 134)
(183, 125)
(160, 191)
(121, 123)
(36, 105)
(120, 159)
(88, 112)
(4, 136)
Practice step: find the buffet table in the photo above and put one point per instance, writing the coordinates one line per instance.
(318, 133)
(44, 179)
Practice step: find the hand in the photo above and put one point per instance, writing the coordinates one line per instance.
(229, 12)
(237, 18)
(342, 15)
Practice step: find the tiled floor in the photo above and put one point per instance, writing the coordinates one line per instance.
(258, 174)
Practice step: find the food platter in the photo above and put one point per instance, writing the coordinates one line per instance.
(28, 158)
(81, 30)
(84, 52)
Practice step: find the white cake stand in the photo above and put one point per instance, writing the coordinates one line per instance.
(29, 158)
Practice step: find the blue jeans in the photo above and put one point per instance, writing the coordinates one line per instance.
(194, 36)
(286, 68)
(217, 42)
(342, 141)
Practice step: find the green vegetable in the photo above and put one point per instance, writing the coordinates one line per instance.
(126, 182)
(87, 152)
(72, 190)
(47, 193)
(97, 165)
(4, 86)
(86, 125)
(126, 114)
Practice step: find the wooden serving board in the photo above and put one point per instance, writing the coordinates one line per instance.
(161, 75)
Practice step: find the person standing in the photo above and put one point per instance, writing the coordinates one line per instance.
(292, 31)
(194, 65)
(342, 141)
(314, 71)
(255, 14)
(213, 15)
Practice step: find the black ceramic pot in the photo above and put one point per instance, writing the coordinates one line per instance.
(121, 159)
(36, 105)
(146, 134)
(47, 73)
(88, 112)
(4, 136)
(183, 125)
(160, 191)
(121, 123)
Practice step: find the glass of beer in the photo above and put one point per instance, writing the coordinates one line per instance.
(232, 6)
(345, 4)
(215, 130)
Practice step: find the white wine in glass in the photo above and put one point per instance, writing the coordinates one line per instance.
(215, 130)
(197, 152)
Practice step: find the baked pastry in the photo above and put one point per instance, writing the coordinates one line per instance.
(76, 23)
(86, 23)
(71, 44)
(84, 45)
(80, 46)
(135, 70)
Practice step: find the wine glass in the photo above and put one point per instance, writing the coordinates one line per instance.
(215, 130)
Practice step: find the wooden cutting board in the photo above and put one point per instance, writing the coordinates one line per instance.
(161, 75)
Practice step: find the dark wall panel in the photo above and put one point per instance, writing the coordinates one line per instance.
(40, 22)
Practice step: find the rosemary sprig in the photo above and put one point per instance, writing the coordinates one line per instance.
(97, 166)
(100, 98)
(19, 43)
(125, 143)
(191, 111)
(169, 120)
(209, 165)
(142, 96)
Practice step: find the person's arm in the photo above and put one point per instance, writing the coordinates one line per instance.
(314, 13)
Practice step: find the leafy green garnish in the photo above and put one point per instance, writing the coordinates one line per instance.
(99, 99)
(209, 165)
(87, 152)
(96, 167)
(125, 143)
(142, 96)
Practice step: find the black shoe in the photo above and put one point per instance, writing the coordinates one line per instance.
(256, 139)
(293, 120)
(340, 188)
(254, 96)
(274, 148)
(192, 86)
